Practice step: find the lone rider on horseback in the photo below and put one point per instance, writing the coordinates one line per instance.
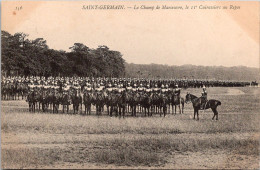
(203, 98)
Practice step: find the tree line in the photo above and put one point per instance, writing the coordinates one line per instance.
(157, 71)
(34, 57)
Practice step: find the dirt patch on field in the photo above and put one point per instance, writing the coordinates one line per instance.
(234, 92)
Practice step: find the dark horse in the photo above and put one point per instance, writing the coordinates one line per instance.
(196, 102)
(177, 101)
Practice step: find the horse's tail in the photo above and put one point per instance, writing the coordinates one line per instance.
(219, 102)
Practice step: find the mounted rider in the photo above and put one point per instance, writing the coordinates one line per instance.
(115, 89)
(128, 87)
(134, 88)
(140, 89)
(99, 88)
(204, 96)
(88, 88)
(109, 88)
(177, 92)
(156, 90)
(121, 88)
(147, 89)
(163, 89)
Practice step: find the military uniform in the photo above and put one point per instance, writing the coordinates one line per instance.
(203, 98)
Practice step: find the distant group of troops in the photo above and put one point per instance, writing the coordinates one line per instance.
(13, 87)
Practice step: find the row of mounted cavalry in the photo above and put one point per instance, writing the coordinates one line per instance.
(114, 102)
(119, 103)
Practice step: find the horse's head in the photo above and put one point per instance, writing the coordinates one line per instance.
(188, 97)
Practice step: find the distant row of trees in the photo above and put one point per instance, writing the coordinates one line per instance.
(34, 57)
(156, 71)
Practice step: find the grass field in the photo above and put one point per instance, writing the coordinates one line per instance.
(45, 140)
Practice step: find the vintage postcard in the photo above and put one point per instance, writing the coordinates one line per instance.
(130, 84)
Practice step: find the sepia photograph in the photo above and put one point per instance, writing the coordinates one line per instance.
(130, 84)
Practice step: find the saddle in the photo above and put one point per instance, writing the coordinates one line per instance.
(203, 102)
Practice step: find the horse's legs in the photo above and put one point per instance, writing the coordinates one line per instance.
(43, 109)
(197, 114)
(80, 108)
(124, 108)
(119, 110)
(30, 106)
(58, 108)
(111, 111)
(107, 109)
(34, 105)
(194, 114)
(180, 108)
(89, 109)
(215, 113)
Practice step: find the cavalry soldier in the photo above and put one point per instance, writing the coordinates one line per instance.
(121, 89)
(134, 88)
(156, 89)
(167, 90)
(109, 89)
(88, 88)
(177, 91)
(162, 89)
(140, 89)
(148, 90)
(102, 86)
(99, 89)
(128, 87)
(115, 89)
(203, 100)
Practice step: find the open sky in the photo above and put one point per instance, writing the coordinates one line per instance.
(173, 37)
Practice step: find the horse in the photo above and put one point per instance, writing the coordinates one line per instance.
(99, 100)
(177, 101)
(76, 101)
(156, 103)
(122, 103)
(65, 101)
(112, 103)
(146, 103)
(196, 102)
(163, 104)
(31, 101)
(87, 99)
(135, 100)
